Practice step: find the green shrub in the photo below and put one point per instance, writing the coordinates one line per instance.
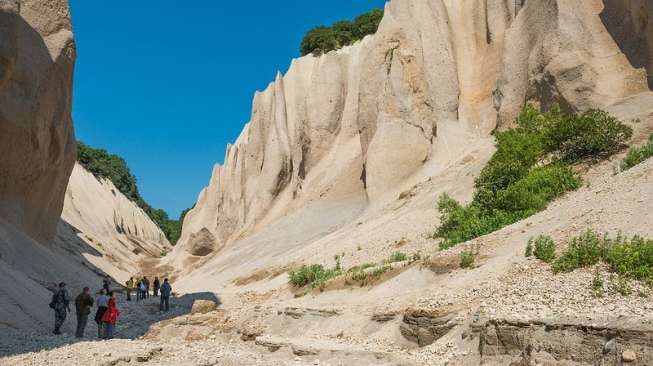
(592, 134)
(397, 257)
(637, 155)
(466, 259)
(597, 284)
(584, 250)
(629, 258)
(530, 167)
(544, 248)
(323, 39)
(314, 276)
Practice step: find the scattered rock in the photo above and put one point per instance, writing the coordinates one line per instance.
(629, 356)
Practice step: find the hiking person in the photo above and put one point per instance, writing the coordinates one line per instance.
(60, 303)
(142, 290)
(102, 302)
(106, 282)
(83, 304)
(130, 287)
(166, 290)
(110, 317)
(157, 286)
(147, 287)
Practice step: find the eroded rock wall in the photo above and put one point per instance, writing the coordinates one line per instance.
(401, 105)
(37, 144)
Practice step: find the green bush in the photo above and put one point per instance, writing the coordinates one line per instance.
(466, 259)
(630, 258)
(637, 155)
(544, 248)
(314, 276)
(323, 39)
(530, 167)
(397, 257)
(584, 250)
(114, 168)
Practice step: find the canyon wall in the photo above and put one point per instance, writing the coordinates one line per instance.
(362, 123)
(37, 144)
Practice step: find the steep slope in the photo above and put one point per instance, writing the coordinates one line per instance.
(356, 127)
(121, 232)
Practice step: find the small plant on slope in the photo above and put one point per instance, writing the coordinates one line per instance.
(314, 275)
(466, 259)
(637, 155)
(543, 248)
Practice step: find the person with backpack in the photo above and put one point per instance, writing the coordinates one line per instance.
(83, 304)
(102, 302)
(130, 287)
(166, 290)
(157, 286)
(60, 303)
(110, 316)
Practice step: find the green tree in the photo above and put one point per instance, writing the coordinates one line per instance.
(323, 39)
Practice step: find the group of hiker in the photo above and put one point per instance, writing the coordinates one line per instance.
(107, 313)
(142, 288)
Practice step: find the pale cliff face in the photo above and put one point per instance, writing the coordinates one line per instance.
(362, 123)
(106, 220)
(37, 144)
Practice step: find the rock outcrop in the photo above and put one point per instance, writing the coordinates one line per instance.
(37, 144)
(361, 123)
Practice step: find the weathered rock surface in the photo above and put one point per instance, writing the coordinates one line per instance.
(425, 327)
(37, 143)
(203, 306)
(360, 124)
(505, 342)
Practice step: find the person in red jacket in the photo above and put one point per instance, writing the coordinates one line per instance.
(110, 316)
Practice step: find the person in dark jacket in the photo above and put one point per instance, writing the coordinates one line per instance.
(83, 304)
(106, 284)
(166, 290)
(61, 305)
(147, 287)
(102, 302)
(157, 286)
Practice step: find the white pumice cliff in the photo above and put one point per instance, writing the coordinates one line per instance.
(365, 122)
(341, 163)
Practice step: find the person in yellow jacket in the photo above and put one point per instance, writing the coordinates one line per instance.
(131, 284)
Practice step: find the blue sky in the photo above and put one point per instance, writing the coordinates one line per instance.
(167, 85)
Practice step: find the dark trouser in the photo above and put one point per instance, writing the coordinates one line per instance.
(109, 329)
(81, 325)
(129, 295)
(59, 318)
(156, 291)
(98, 320)
(164, 301)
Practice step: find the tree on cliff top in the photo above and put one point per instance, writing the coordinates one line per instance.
(323, 39)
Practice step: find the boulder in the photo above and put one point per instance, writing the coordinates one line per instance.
(203, 306)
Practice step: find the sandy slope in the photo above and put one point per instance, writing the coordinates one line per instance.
(100, 232)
